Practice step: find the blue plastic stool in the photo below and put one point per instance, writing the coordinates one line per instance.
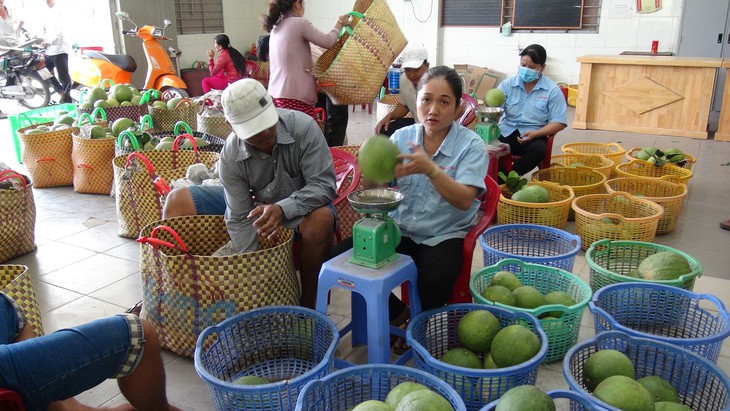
(370, 290)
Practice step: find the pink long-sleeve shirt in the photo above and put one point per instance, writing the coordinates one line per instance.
(291, 58)
(225, 64)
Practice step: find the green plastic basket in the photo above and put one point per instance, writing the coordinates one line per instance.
(562, 332)
(38, 116)
(611, 260)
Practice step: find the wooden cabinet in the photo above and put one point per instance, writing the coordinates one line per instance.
(723, 127)
(646, 94)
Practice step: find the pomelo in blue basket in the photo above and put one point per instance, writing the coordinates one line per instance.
(477, 329)
(401, 390)
(424, 400)
(624, 393)
(525, 398)
(251, 380)
(373, 405)
(604, 364)
(377, 159)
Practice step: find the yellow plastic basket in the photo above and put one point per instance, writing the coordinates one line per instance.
(598, 162)
(613, 151)
(554, 213)
(615, 216)
(667, 194)
(689, 161)
(572, 95)
(583, 180)
(641, 168)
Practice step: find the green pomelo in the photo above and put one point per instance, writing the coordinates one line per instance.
(574, 165)
(559, 297)
(251, 380)
(505, 279)
(624, 393)
(201, 142)
(606, 363)
(86, 105)
(173, 102)
(664, 265)
(164, 145)
(373, 405)
(101, 104)
(401, 390)
(633, 273)
(525, 398)
(528, 297)
(121, 124)
(526, 196)
(136, 99)
(159, 105)
(672, 152)
(424, 400)
(660, 389)
(34, 131)
(670, 406)
(95, 94)
(461, 357)
(677, 158)
(97, 132)
(126, 104)
(489, 362)
(514, 345)
(122, 92)
(494, 98)
(499, 294)
(377, 159)
(64, 120)
(112, 103)
(540, 193)
(477, 329)
(643, 154)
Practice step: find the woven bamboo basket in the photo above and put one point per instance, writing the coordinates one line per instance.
(554, 213)
(598, 162)
(613, 151)
(352, 71)
(667, 194)
(641, 168)
(15, 281)
(615, 216)
(92, 161)
(688, 163)
(47, 156)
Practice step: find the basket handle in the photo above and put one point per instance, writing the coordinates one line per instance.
(84, 92)
(178, 139)
(616, 145)
(85, 116)
(145, 121)
(348, 29)
(178, 125)
(182, 102)
(27, 119)
(132, 138)
(146, 95)
(156, 242)
(143, 159)
(105, 81)
(8, 174)
(199, 64)
(97, 111)
(86, 166)
(160, 184)
(44, 159)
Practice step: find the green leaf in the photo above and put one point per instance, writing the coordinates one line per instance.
(502, 177)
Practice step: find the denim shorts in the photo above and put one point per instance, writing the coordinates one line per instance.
(70, 361)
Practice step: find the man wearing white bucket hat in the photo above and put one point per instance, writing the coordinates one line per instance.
(277, 171)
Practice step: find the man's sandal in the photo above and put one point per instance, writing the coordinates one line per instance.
(725, 224)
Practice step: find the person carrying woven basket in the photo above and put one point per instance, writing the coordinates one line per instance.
(291, 83)
(534, 108)
(227, 68)
(277, 172)
(48, 371)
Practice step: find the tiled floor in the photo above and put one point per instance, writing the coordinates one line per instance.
(82, 270)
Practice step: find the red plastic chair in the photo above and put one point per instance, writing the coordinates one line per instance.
(470, 105)
(460, 293)
(10, 401)
(252, 70)
(505, 162)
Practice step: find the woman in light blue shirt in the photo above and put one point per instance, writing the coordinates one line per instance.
(534, 108)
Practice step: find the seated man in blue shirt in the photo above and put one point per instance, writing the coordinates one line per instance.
(534, 108)
(277, 171)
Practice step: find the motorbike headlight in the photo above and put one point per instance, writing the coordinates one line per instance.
(157, 32)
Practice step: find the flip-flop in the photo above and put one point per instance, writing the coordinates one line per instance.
(136, 310)
(725, 225)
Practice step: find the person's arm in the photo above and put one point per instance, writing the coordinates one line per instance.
(239, 203)
(399, 111)
(220, 63)
(326, 40)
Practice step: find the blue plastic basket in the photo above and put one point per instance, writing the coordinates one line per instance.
(346, 388)
(530, 243)
(562, 332)
(432, 333)
(287, 345)
(665, 313)
(701, 385)
(577, 401)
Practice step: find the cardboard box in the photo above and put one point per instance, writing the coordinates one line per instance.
(477, 80)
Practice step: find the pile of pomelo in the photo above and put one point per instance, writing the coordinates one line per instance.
(480, 333)
(506, 288)
(657, 156)
(611, 377)
(407, 396)
(119, 95)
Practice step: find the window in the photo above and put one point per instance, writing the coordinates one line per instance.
(199, 16)
(494, 13)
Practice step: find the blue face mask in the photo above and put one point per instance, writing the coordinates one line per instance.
(527, 74)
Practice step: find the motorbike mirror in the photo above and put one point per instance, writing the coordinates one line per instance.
(122, 15)
(167, 22)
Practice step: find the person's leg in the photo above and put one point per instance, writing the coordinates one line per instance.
(64, 77)
(395, 125)
(51, 65)
(532, 156)
(337, 117)
(195, 200)
(438, 266)
(317, 231)
(215, 82)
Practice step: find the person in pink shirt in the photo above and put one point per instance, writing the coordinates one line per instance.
(227, 68)
(291, 83)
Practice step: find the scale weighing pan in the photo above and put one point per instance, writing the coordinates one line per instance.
(375, 200)
(484, 111)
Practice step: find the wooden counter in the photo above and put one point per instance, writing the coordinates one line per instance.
(723, 127)
(653, 95)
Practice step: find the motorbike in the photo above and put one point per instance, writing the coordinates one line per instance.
(24, 76)
(95, 67)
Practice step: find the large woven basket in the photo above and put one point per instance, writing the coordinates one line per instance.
(613, 151)
(15, 282)
(554, 213)
(165, 120)
(641, 168)
(92, 161)
(17, 219)
(47, 156)
(615, 216)
(597, 162)
(583, 180)
(185, 289)
(667, 194)
(688, 163)
(352, 71)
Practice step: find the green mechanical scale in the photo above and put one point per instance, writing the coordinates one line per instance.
(375, 236)
(488, 126)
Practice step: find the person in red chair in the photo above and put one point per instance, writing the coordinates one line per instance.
(534, 109)
(48, 371)
(227, 68)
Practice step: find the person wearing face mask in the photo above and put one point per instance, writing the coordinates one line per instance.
(534, 108)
